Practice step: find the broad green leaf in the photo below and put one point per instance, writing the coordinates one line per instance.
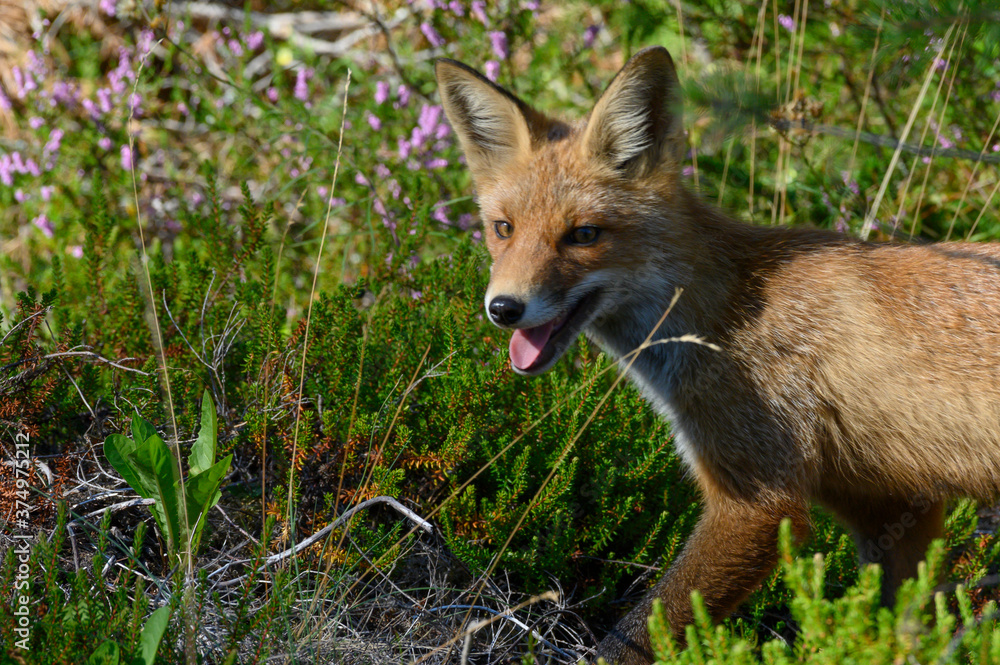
(152, 633)
(203, 450)
(203, 493)
(166, 477)
(120, 451)
(142, 464)
(141, 429)
(106, 654)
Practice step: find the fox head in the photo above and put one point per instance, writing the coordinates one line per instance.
(573, 213)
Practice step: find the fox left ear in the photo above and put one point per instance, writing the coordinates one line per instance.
(638, 123)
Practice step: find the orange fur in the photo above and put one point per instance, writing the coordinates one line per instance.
(857, 375)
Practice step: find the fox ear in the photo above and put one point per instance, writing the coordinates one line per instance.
(493, 126)
(638, 123)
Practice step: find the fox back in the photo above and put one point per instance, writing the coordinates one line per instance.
(861, 376)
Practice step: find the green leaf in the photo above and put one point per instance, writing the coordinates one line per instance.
(203, 450)
(167, 478)
(142, 429)
(152, 633)
(203, 493)
(120, 451)
(106, 654)
(142, 464)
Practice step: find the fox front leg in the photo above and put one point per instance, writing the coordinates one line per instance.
(733, 548)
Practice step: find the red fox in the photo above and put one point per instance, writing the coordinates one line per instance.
(864, 377)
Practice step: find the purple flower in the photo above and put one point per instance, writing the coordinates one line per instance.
(850, 182)
(35, 122)
(373, 121)
(43, 224)
(456, 8)
(126, 154)
(786, 22)
(104, 143)
(479, 11)
(108, 6)
(361, 180)
(432, 35)
(236, 48)
(530, 5)
(145, 44)
(302, 84)
(104, 100)
(5, 102)
(403, 95)
(20, 196)
(76, 251)
(590, 34)
(404, 147)
(46, 192)
(416, 295)
(382, 171)
(272, 94)
(437, 163)
(492, 69)
(55, 138)
(381, 92)
(430, 116)
(499, 42)
(255, 40)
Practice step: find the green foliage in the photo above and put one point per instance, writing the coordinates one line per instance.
(150, 468)
(109, 653)
(82, 616)
(852, 628)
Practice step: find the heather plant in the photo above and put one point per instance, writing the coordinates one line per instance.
(230, 128)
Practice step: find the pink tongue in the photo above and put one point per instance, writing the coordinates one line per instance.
(527, 344)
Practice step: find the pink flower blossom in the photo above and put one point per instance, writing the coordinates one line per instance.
(126, 155)
(432, 35)
(302, 84)
(492, 70)
(403, 95)
(479, 11)
(499, 42)
(43, 224)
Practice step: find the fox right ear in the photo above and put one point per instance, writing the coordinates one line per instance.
(493, 126)
(638, 123)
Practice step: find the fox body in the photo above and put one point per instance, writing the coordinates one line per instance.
(861, 376)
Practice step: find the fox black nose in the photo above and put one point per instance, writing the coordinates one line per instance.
(506, 310)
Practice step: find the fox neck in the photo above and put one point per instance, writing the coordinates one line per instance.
(708, 258)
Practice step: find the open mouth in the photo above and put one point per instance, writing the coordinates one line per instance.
(534, 350)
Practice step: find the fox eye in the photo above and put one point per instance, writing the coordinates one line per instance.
(503, 229)
(583, 235)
